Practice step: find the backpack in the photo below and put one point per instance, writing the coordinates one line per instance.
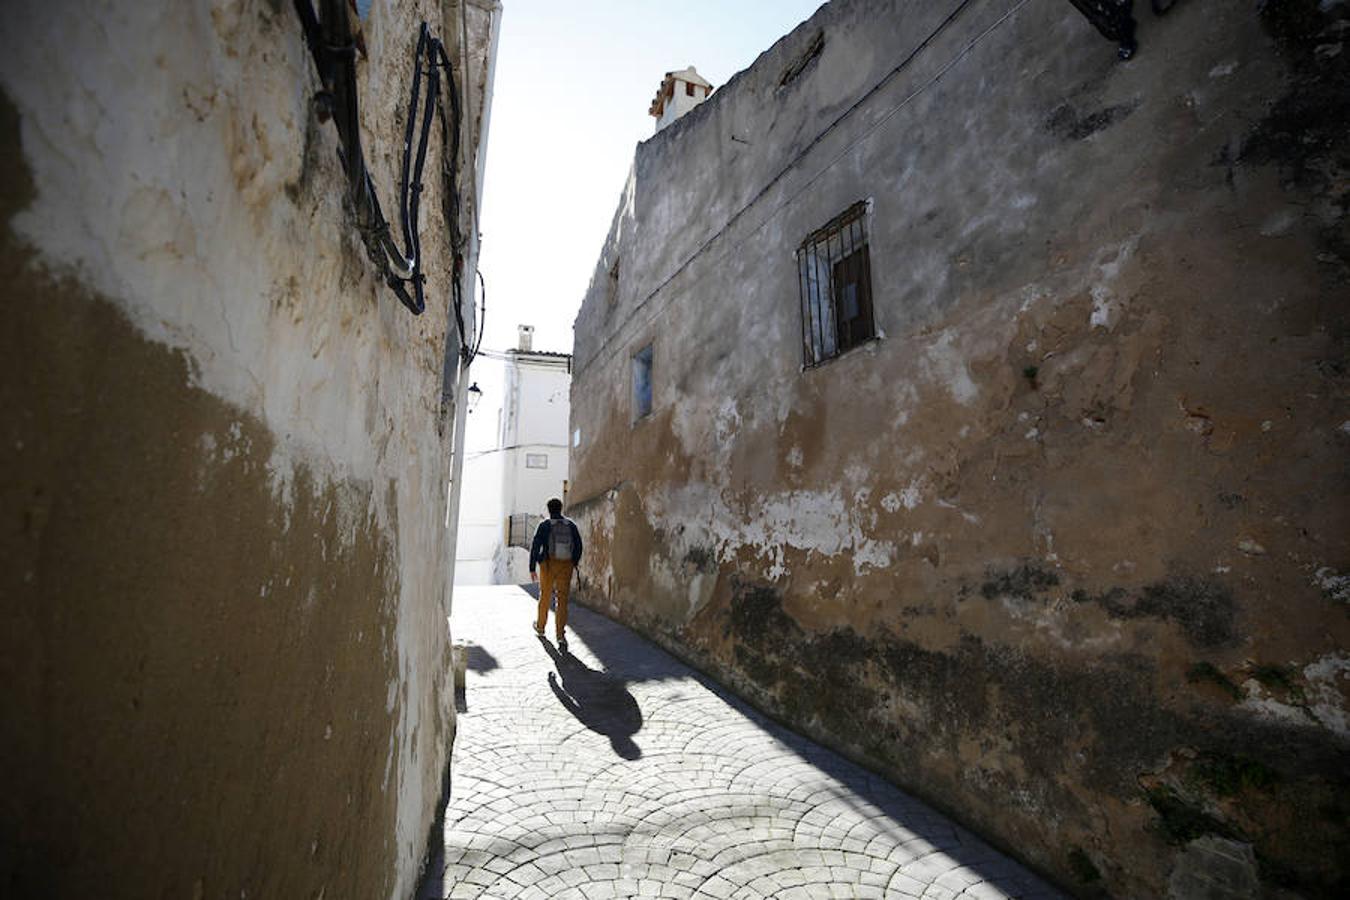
(560, 539)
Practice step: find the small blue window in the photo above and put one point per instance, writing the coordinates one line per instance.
(642, 382)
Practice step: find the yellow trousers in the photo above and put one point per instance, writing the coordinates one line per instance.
(554, 575)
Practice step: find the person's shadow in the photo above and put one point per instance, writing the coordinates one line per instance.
(600, 702)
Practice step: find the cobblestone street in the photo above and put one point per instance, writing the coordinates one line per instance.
(616, 771)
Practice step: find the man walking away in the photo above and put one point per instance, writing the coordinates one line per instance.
(556, 550)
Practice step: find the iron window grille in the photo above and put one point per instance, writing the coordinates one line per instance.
(834, 274)
(612, 286)
(520, 529)
(642, 383)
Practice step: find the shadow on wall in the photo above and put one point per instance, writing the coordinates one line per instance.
(631, 657)
(598, 700)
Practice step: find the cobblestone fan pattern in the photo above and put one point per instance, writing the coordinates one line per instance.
(616, 771)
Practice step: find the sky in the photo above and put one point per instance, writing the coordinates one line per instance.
(573, 84)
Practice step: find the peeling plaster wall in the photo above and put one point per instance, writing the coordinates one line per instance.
(1065, 550)
(226, 588)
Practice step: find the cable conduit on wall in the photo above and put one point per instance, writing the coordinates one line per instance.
(330, 42)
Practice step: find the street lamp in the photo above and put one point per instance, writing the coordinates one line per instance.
(475, 395)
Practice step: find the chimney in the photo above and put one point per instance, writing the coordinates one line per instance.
(526, 338)
(679, 92)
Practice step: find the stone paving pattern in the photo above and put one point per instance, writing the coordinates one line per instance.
(616, 771)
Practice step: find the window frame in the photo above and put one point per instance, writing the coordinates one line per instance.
(827, 256)
(637, 360)
(612, 283)
(520, 529)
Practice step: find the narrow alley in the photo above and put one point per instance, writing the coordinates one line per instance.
(614, 770)
(937, 411)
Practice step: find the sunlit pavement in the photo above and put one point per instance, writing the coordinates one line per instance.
(616, 771)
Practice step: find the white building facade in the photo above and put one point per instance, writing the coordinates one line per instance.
(506, 487)
(680, 92)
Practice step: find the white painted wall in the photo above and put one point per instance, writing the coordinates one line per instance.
(542, 413)
(479, 557)
(680, 103)
(532, 416)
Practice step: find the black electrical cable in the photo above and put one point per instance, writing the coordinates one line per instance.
(451, 200)
(428, 111)
(409, 238)
(340, 67)
(482, 317)
(330, 42)
(449, 163)
(410, 195)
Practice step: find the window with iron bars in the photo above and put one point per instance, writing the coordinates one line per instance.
(834, 274)
(642, 383)
(520, 529)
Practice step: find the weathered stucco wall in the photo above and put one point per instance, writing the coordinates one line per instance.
(226, 582)
(1067, 550)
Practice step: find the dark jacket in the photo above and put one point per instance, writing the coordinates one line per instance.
(539, 552)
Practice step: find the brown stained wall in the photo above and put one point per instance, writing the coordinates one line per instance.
(191, 660)
(1065, 551)
(195, 668)
(224, 454)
